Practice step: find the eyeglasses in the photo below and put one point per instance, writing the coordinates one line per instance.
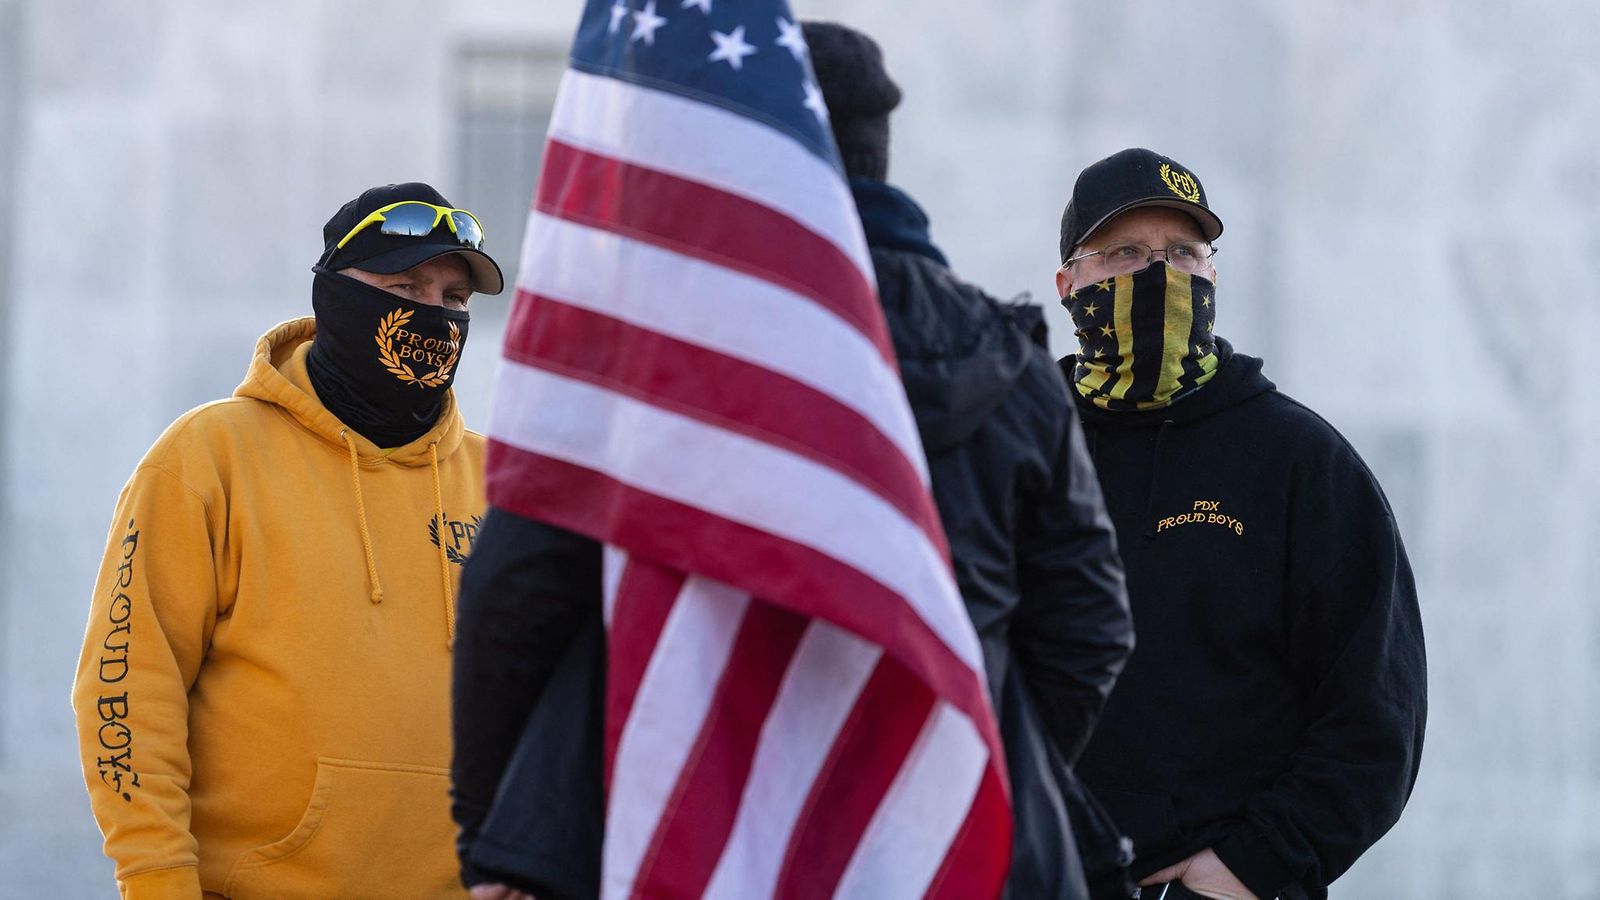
(417, 219)
(1127, 259)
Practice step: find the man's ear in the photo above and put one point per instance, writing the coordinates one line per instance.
(1063, 283)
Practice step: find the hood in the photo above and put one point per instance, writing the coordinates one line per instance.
(955, 384)
(891, 220)
(277, 375)
(959, 350)
(1239, 378)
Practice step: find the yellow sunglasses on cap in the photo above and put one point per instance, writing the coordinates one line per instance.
(415, 218)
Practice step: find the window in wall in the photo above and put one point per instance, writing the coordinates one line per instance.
(505, 96)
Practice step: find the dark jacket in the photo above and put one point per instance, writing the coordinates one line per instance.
(1275, 709)
(1032, 547)
(527, 695)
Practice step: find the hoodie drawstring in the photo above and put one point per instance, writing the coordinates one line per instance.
(444, 561)
(1155, 473)
(361, 516)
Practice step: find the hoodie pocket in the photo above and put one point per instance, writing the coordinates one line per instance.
(369, 830)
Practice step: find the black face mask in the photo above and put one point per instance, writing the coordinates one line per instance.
(381, 363)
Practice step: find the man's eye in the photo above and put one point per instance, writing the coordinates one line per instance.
(1124, 251)
(1182, 251)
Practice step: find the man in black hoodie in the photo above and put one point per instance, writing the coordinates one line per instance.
(1269, 729)
(1032, 547)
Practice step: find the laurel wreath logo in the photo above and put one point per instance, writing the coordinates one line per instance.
(1181, 183)
(388, 327)
(451, 553)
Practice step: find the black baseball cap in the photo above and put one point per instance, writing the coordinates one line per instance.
(1128, 180)
(370, 250)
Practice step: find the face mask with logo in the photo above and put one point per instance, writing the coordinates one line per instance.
(1144, 339)
(380, 362)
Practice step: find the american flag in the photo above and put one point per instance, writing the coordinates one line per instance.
(697, 373)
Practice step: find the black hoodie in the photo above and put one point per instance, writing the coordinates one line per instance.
(1032, 547)
(1274, 710)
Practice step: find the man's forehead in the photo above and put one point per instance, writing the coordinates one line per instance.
(457, 263)
(1171, 222)
(450, 267)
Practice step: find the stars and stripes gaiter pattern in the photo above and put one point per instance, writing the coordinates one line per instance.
(1145, 339)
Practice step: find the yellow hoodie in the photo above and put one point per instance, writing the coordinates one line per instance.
(263, 694)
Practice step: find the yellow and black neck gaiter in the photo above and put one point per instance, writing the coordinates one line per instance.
(1145, 339)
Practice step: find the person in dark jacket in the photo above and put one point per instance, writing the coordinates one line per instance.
(1033, 550)
(1270, 726)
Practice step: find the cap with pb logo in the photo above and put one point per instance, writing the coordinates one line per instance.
(1128, 180)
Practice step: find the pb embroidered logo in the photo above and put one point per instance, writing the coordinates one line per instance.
(458, 536)
(441, 355)
(1205, 512)
(1180, 183)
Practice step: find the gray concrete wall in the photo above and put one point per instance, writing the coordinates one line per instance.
(10, 117)
(1412, 202)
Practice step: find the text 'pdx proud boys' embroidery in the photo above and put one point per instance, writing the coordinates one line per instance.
(1204, 512)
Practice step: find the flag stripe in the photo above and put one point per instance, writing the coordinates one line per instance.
(819, 690)
(978, 859)
(726, 229)
(904, 847)
(731, 476)
(692, 834)
(663, 131)
(664, 722)
(643, 598)
(1147, 322)
(614, 563)
(1177, 323)
(867, 756)
(1122, 309)
(590, 502)
(734, 314)
(720, 391)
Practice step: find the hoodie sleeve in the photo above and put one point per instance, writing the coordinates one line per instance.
(1073, 630)
(150, 622)
(525, 593)
(1356, 639)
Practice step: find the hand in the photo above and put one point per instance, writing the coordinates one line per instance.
(1204, 874)
(498, 892)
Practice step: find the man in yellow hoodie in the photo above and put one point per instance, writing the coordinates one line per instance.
(263, 694)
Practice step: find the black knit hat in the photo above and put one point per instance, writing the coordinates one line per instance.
(372, 251)
(1128, 180)
(859, 93)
